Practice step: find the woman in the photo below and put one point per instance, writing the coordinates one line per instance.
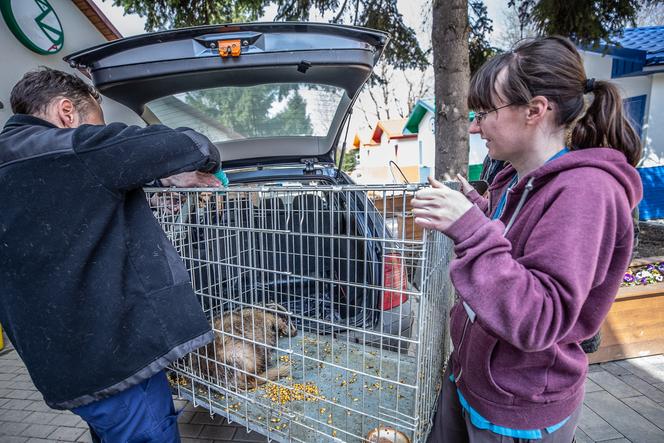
(538, 264)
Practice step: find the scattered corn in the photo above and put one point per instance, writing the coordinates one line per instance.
(299, 391)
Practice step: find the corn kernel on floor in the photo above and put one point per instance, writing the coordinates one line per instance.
(336, 390)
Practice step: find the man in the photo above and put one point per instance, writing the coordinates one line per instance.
(93, 296)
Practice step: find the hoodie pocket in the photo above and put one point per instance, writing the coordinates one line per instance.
(476, 362)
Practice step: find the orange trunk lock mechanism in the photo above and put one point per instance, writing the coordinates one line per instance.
(229, 48)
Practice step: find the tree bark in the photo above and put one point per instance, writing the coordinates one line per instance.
(449, 37)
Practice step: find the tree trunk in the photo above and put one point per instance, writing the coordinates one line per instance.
(449, 37)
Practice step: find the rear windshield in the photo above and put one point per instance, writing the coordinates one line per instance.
(241, 112)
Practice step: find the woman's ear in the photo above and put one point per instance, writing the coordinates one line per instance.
(538, 107)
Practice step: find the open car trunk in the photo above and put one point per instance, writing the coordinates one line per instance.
(230, 81)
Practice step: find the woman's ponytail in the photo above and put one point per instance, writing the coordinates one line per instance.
(605, 124)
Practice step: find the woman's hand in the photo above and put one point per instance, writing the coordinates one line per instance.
(439, 207)
(465, 186)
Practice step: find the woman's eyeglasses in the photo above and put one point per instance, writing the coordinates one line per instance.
(479, 116)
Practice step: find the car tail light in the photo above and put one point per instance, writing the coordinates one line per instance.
(394, 281)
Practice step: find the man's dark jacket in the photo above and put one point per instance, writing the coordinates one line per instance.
(93, 296)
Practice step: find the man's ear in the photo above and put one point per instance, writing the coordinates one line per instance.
(537, 109)
(66, 113)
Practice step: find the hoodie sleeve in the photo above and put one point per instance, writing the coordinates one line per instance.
(127, 157)
(534, 301)
(479, 201)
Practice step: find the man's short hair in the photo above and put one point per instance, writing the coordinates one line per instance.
(33, 93)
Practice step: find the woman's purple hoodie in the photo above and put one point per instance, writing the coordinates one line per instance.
(536, 292)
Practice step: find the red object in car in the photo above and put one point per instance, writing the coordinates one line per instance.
(394, 281)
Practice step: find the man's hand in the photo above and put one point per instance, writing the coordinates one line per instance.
(439, 207)
(194, 179)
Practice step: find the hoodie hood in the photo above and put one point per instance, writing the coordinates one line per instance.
(608, 160)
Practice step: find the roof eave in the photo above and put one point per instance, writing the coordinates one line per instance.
(419, 111)
(98, 19)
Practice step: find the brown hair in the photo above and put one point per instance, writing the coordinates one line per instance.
(33, 93)
(552, 67)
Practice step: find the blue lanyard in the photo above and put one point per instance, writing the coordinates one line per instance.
(503, 198)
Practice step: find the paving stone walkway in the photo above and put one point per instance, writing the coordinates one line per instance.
(624, 403)
(24, 417)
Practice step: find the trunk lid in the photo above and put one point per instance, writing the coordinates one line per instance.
(263, 92)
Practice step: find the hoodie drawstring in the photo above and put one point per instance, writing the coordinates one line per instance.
(529, 187)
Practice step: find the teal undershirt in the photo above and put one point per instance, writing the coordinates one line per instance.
(500, 207)
(482, 423)
(475, 418)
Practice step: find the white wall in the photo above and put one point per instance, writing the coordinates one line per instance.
(597, 65)
(425, 134)
(407, 153)
(16, 59)
(654, 131)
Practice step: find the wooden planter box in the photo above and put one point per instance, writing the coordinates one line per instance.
(634, 326)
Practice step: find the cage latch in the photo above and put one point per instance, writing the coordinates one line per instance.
(308, 164)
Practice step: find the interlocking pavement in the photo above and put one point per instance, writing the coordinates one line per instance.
(25, 418)
(624, 403)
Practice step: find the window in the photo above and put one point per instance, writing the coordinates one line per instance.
(635, 108)
(242, 112)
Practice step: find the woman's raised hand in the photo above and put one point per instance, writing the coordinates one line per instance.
(438, 207)
(465, 186)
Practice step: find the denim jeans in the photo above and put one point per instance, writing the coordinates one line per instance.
(142, 413)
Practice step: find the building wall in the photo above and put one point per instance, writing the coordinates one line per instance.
(374, 164)
(654, 132)
(16, 59)
(407, 152)
(597, 65)
(425, 135)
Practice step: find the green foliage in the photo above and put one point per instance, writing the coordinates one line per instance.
(404, 52)
(293, 119)
(586, 22)
(350, 162)
(247, 111)
(169, 14)
(479, 49)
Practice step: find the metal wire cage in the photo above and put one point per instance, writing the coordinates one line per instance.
(328, 306)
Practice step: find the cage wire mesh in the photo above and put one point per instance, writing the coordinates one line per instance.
(328, 305)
